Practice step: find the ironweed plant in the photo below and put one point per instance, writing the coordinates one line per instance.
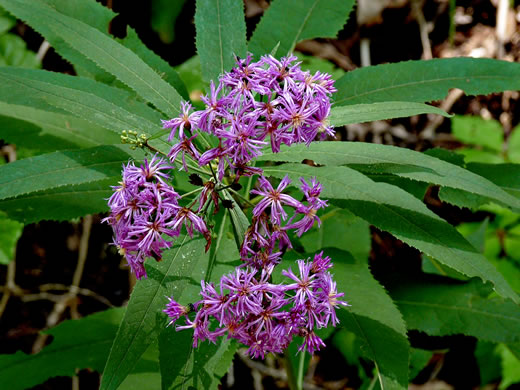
(235, 213)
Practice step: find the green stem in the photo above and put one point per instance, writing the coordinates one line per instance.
(299, 374)
(191, 192)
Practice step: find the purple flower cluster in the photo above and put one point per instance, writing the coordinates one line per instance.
(254, 100)
(265, 316)
(247, 306)
(267, 239)
(145, 210)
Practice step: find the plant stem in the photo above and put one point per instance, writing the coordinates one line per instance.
(191, 192)
(299, 374)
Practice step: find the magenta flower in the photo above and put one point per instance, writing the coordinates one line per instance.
(274, 199)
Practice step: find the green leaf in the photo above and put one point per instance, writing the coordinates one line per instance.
(179, 270)
(339, 229)
(10, 232)
(89, 12)
(419, 358)
(385, 159)
(61, 169)
(513, 145)
(164, 69)
(505, 176)
(221, 34)
(382, 332)
(425, 81)
(62, 203)
(238, 219)
(109, 107)
(444, 308)
(13, 52)
(396, 211)
(105, 52)
(77, 344)
(510, 368)
(47, 131)
(474, 130)
(290, 21)
(98, 17)
(185, 367)
(358, 113)
(6, 22)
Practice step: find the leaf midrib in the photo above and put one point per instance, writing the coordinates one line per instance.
(115, 59)
(424, 82)
(302, 26)
(30, 85)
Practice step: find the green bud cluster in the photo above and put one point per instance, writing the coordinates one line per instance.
(131, 137)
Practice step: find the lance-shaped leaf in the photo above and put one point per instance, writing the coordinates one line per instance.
(99, 17)
(76, 344)
(62, 203)
(108, 54)
(180, 269)
(374, 318)
(358, 113)
(185, 367)
(400, 213)
(221, 34)
(444, 308)
(383, 159)
(108, 107)
(288, 22)
(62, 169)
(49, 131)
(425, 81)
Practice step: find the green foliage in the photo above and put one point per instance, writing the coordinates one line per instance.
(288, 22)
(10, 231)
(61, 203)
(61, 169)
(221, 34)
(359, 113)
(188, 367)
(109, 55)
(382, 332)
(13, 52)
(69, 126)
(100, 104)
(444, 308)
(424, 81)
(477, 131)
(178, 274)
(342, 230)
(44, 131)
(77, 344)
(396, 211)
(384, 159)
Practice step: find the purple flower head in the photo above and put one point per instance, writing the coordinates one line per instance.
(320, 263)
(274, 199)
(185, 121)
(311, 342)
(185, 146)
(304, 284)
(174, 310)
